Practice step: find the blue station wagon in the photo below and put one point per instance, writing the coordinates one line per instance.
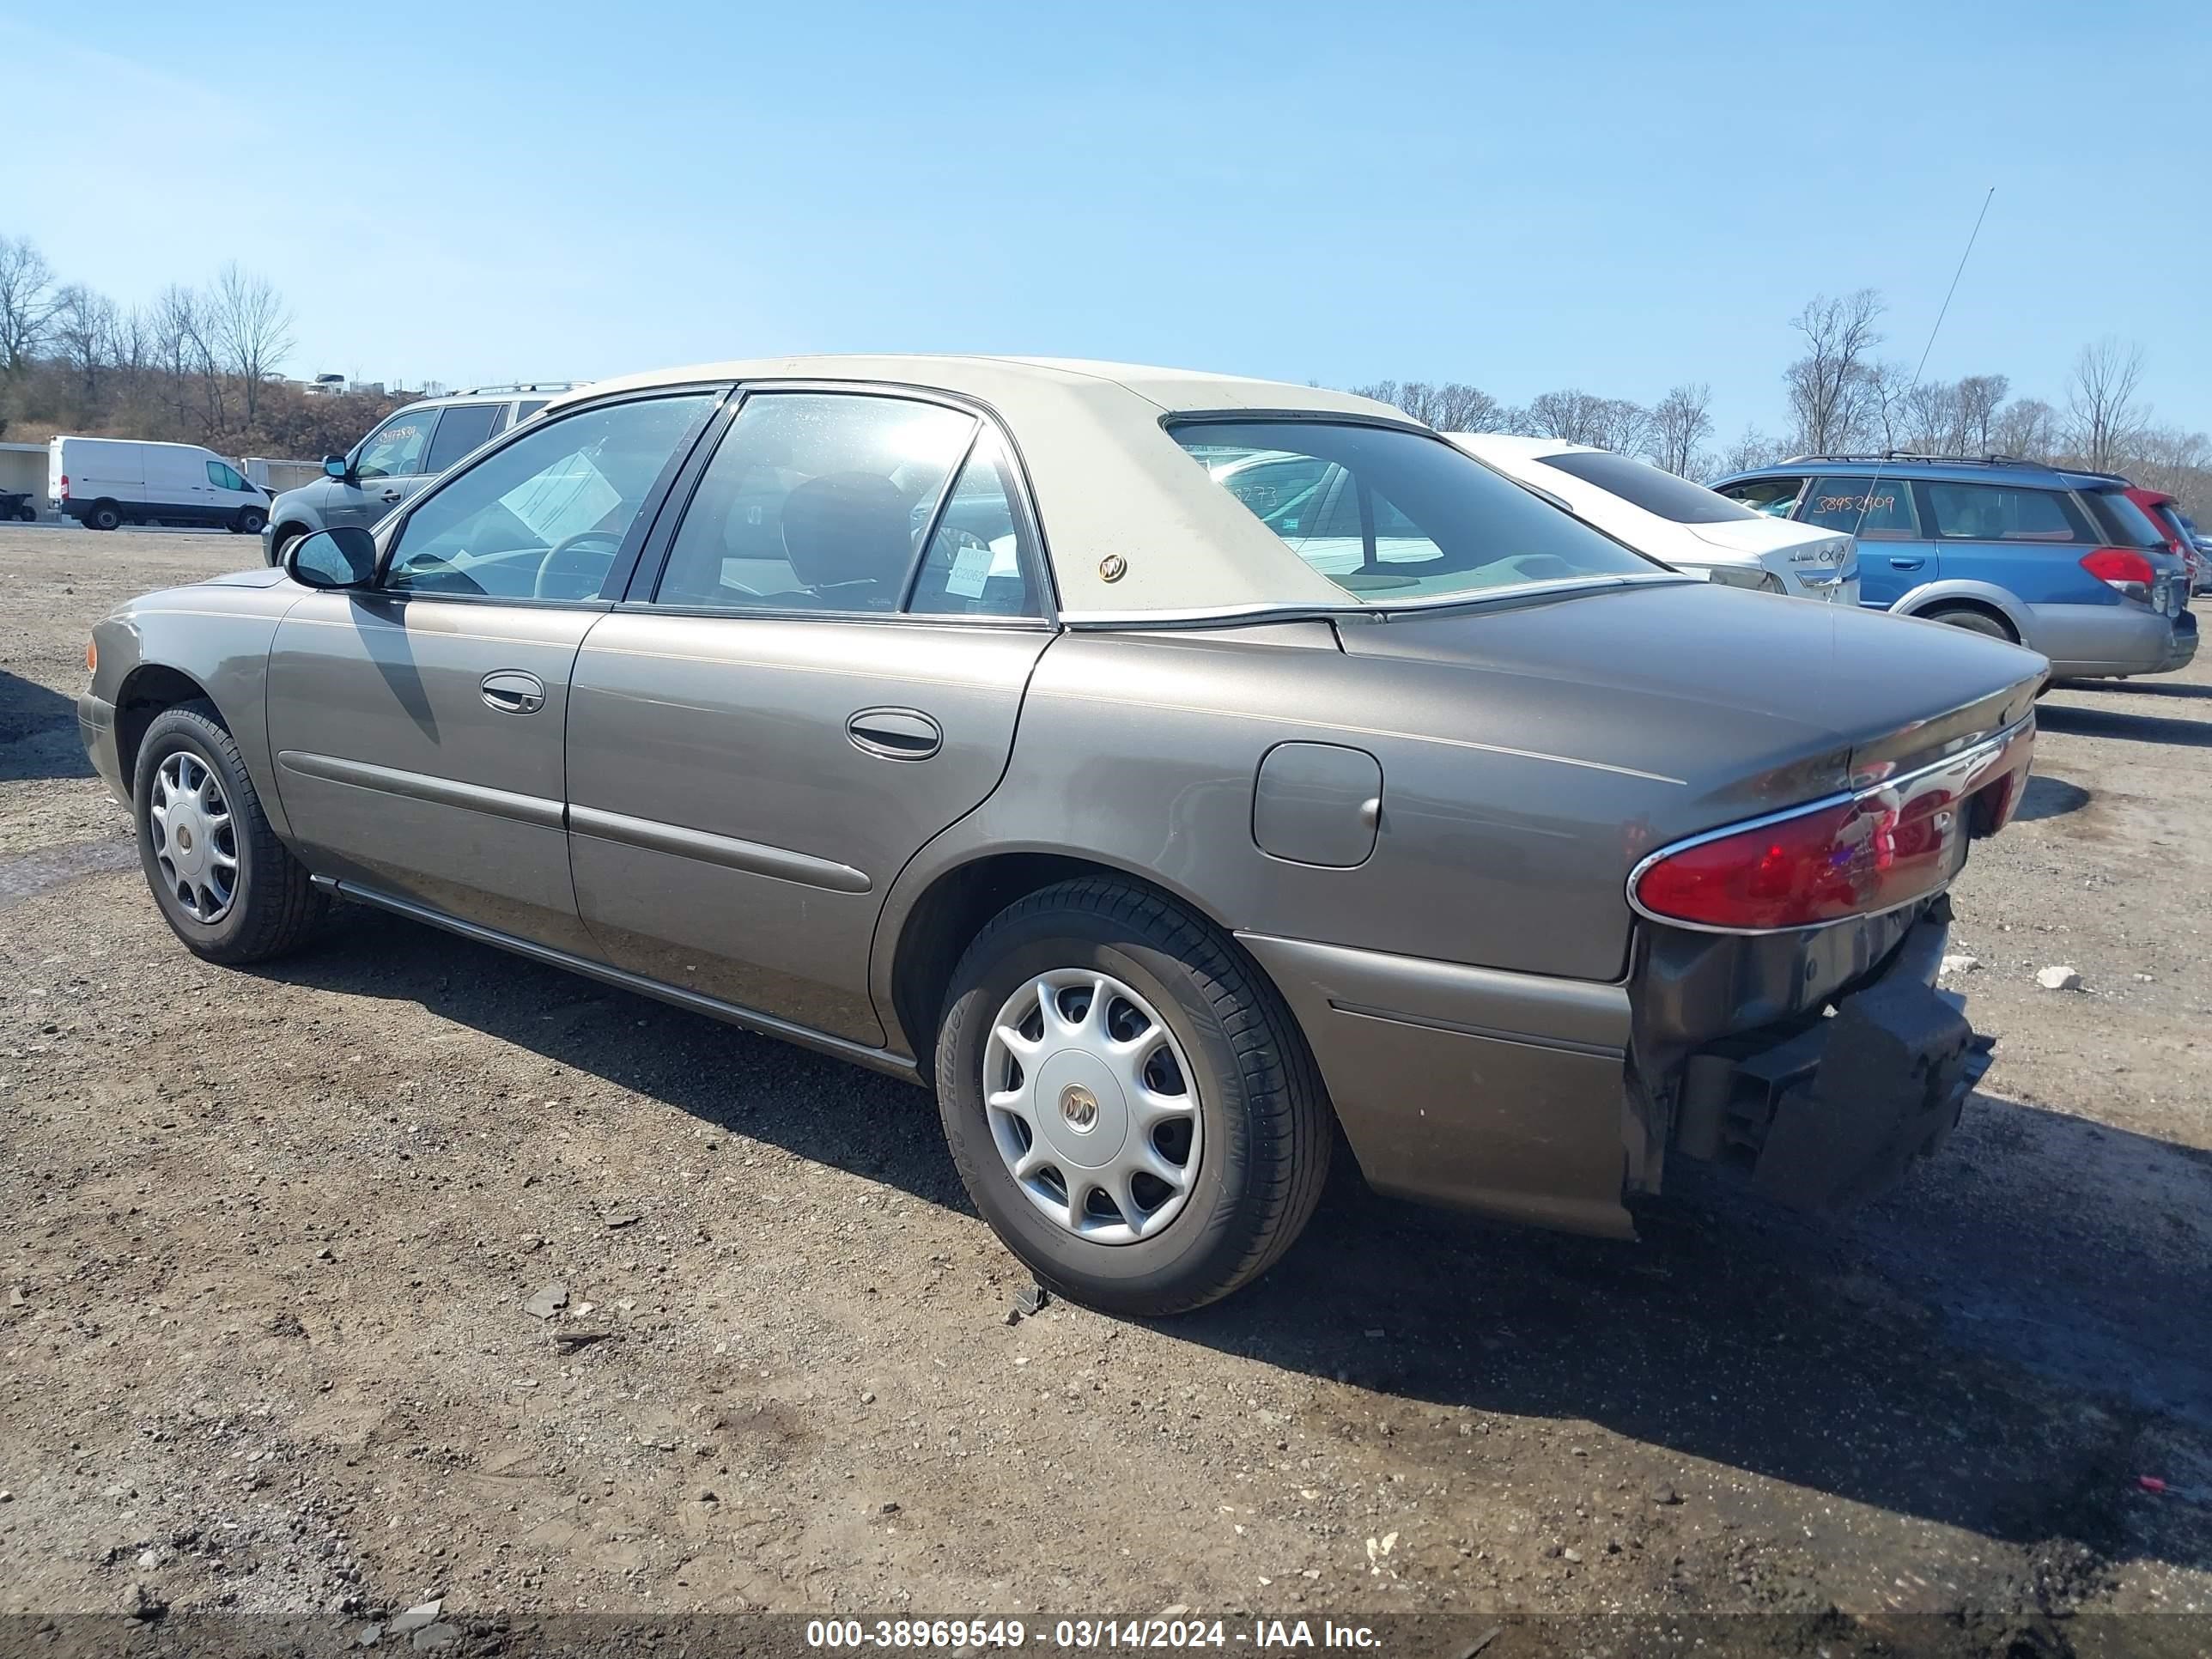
(2059, 560)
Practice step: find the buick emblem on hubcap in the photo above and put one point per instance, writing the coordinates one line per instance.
(1079, 1107)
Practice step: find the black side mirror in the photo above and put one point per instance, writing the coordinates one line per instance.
(334, 466)
(344, 557)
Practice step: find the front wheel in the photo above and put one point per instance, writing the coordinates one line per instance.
(1130, 1104)
(227, 887)
(249, 521)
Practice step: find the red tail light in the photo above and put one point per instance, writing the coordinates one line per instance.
(1873, 851)
(2123, 569)
(64, 486)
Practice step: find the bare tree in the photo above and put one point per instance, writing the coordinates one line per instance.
(1828, 386)
(26, 301)
(2026, 427)
(250, 328)
(1753, 449)
(1680, 426)
(2102, 417)
(1453, 406)
(82, 330)
(1980, 398)
(1583, 417)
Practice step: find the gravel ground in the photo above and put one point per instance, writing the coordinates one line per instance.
(267, 1238)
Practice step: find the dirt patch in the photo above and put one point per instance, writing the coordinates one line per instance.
(266, 1241)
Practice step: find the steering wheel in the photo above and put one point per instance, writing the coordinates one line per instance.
(591, 544)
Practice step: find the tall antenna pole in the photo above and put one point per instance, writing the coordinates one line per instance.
(1865, 502)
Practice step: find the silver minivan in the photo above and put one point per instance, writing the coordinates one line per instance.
(386, 469)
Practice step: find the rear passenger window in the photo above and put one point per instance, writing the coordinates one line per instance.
(979, 556)
(461, 428)
(1873, 509)
(818, 502)
(2000, 513)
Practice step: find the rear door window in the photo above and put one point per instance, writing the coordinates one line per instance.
(818, 501)
(460, 429)
(979, 555)
(1873, 509)
(2003, 513)
(1771, 497)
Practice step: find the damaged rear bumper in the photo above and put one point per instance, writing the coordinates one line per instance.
(1832, 1113)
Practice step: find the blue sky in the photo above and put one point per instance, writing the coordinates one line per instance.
(1616, 197)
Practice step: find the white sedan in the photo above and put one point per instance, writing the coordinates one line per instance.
(1673, 520)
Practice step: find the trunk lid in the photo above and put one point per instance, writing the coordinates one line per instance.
(1739, 702)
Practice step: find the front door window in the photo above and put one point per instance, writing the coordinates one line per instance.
(545, 517)
(395, 449)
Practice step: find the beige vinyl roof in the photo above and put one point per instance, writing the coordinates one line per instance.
(1107, 480)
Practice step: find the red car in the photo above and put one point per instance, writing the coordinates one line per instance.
(2163, 510)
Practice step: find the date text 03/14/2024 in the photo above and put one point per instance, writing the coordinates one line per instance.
(1263, 1635)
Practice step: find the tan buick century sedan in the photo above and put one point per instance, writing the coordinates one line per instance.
(1170, 769)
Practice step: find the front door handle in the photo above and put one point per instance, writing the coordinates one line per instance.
(1906, 564)
(511, 691)
(904, 734)
(390, 495)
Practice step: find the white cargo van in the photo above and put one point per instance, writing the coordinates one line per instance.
(102, 482)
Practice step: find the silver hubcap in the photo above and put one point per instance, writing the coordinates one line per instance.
(194, 845)
(1093, 1106)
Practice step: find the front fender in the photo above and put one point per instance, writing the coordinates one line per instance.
(1926, 597)
(216, 635)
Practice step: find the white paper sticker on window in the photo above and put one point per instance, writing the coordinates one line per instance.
(565, 499)
(971, 569)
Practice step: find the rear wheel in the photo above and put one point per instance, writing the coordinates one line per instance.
(1131, 1107)
(1974, 621)
(227, 887)
(104, 515)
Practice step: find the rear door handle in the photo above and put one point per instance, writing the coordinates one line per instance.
(1906, 564)
(512, 691)
(905, 734)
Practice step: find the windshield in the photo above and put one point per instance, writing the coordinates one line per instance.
(1391, 515)
(1675, 499)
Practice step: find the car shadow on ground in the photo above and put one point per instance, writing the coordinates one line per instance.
(2047, 797)
(1986, 1348)
(38, 732)
(2144, 687)
(2112, 723)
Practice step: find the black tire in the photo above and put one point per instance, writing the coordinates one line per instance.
(27, 513)
(249, 521)
(1266, 1126)
(274, 908)
(1974, 621)
(281, 544)
(104, 515)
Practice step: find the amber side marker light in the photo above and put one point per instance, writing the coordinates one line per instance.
(91, 657)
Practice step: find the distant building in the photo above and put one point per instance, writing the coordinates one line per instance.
(337, 385)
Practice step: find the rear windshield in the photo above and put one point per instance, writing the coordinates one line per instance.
(2122, 519)
(1390, 515)
(1647, 487)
